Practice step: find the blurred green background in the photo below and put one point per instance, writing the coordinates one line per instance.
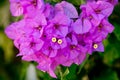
(99, 66)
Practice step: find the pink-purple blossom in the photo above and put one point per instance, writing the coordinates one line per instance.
(20, 7)
(57, 35)
(113, 2)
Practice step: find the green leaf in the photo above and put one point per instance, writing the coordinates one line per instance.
(66, 72)
(76, 2)
(7, 47)
(72, 72)
(117, 30)
(111, 50)
(53, 2)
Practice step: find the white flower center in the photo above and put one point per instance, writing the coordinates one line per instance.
(54, 39)
(95, 46)
(59, 41)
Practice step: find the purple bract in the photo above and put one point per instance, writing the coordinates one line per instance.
(57, 35)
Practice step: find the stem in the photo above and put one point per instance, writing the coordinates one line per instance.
(81, 66)
(61, 74)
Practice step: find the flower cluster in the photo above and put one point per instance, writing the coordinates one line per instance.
(57, 35)
(113, 2)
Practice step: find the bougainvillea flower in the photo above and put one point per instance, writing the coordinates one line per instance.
(74, 49)
(30, 46)
(66, 8)
(58, 25)
(57, 35)
(46, 64)
(96, 44)
(59, 43)
(99, 7)
(15, 30)
(103, 29)
(52, 44)
(16, 9)
(81, 26)
(98, 47)
(48, 50)
(85, 42)
(35, 25)
(49, 11)
(114, 2)
(105, 26)
(19, 7)
(94, 18)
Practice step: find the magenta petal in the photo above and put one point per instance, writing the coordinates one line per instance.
(16, 9)
(63, 30)
(74, 40)
(39, 45)
(69, 9)
(40, 19)
(114, 2)
(86, 26)
(45, 49)
(73, 54)
(100, 47)
(15, 29)
(80, 58)
(51, 72)
(53, 53)
(40, 4)
(16, 43)
(106, 7)
(11, 31)
(77, 26)
(107, 26)
(64, 44)
(29, 57)
(67, 63)
(80, 27)
(55, 45)
(61, 19)
(48, 12)
(96, 19)
(27, 51)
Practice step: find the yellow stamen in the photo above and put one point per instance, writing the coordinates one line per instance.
(59, 41)
(95, 46)
(54, 39)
